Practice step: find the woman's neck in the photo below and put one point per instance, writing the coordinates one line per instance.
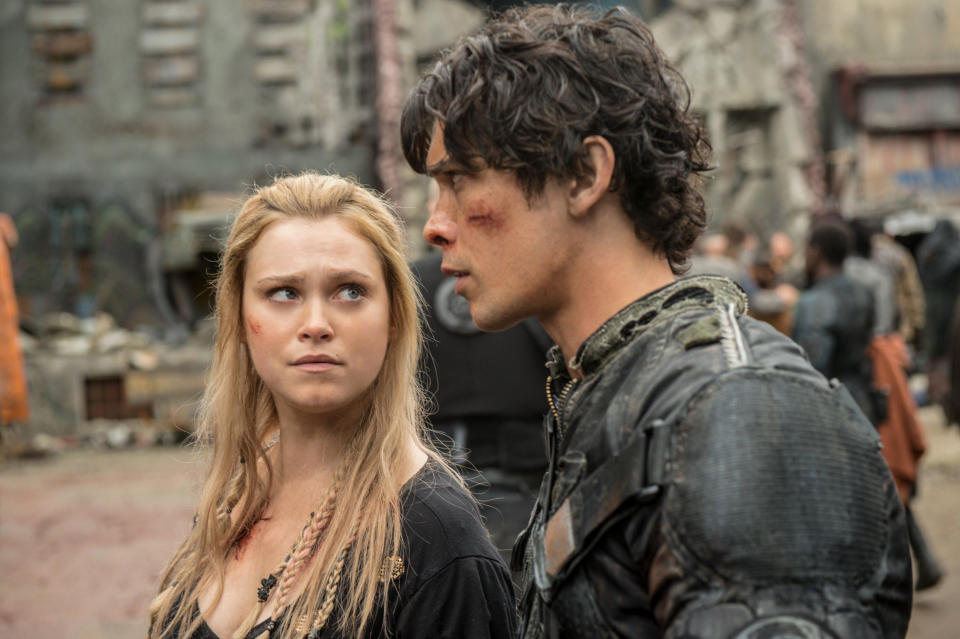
(311, 446)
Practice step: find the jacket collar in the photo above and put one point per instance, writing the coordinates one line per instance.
(696, 292)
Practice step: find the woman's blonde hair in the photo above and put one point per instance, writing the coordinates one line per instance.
(238, 415)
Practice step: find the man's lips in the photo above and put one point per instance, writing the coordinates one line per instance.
(453, 272)
(460, 275)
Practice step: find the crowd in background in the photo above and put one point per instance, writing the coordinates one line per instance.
(869, 312)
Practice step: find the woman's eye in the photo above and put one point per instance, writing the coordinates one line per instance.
(282, 294)
(351, 293)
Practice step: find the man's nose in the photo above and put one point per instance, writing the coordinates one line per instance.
(440, 229)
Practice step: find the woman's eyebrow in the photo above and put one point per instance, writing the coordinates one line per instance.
(293, 278)
(298, 278)
(340, 275)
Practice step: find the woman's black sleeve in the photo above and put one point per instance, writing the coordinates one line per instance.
(470, 598)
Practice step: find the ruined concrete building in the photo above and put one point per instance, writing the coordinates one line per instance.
(129, 129)
(814, 104)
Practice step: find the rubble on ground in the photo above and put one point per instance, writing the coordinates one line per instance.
(95, 384)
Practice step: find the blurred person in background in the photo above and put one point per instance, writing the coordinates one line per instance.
(13, 383)
(938, 261)
(834, 318)
(710, 258)
(904, 442)
(908, 290)
(704, 480)
(325, 512)
(488, 392)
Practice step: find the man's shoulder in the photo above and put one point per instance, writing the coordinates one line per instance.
(761, 445)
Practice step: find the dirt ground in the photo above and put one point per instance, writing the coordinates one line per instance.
(85, 535)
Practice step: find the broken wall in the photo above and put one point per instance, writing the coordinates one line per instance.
(888, 71)
(116, 112)
(745, 67)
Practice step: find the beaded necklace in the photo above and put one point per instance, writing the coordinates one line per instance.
(287, 571)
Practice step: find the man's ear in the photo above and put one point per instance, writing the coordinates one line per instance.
(596, 174)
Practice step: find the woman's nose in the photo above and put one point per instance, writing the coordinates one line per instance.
(316, 322)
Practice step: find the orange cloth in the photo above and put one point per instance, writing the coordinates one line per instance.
(902, 435)
(13, 384)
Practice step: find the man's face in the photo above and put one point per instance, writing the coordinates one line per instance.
(509, 254)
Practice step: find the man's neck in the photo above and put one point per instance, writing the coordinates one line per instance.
(825, 271)
(612, 269)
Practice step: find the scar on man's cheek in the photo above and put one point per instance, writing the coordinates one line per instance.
(485, 217)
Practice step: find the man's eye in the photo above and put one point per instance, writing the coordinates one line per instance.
(282, 294)
(351, 293)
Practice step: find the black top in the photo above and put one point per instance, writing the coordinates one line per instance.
(455, 585)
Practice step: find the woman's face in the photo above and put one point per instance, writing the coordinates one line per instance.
(316, 315)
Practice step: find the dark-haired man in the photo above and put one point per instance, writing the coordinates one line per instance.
(833, 319)
(704, 480)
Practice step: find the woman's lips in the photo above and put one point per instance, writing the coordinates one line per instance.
(316, 363)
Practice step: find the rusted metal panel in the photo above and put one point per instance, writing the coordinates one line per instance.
(169, 14)
(914, 105)
(156, 41)
(171, 70)
(58, 16)
(898, 164)
(62, 44)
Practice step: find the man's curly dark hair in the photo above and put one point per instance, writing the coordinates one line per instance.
(524, 92)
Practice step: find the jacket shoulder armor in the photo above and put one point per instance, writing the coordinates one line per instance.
(772, 474)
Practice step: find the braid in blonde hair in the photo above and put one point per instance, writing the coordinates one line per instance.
(314, 530)
(330, 589)
(289, 569)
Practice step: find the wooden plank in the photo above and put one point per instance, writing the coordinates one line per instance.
(281, 10)
(275, 69)
(171, 97)
(142, 386)
(170, 14)
(65, 76)
(62, 44)
(155, 41)
(58, 16)
(171, 70)
(279, 37)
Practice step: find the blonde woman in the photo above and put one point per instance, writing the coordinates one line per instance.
(324, 513)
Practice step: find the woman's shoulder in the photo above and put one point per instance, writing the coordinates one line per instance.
(441, 516)
(454, 582)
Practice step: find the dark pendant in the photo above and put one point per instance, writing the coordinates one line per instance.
(263, 592)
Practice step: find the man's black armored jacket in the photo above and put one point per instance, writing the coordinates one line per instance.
(705, 481)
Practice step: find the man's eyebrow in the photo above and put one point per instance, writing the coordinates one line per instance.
(434, 169)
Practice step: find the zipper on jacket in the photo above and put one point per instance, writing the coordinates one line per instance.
(564, 396)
